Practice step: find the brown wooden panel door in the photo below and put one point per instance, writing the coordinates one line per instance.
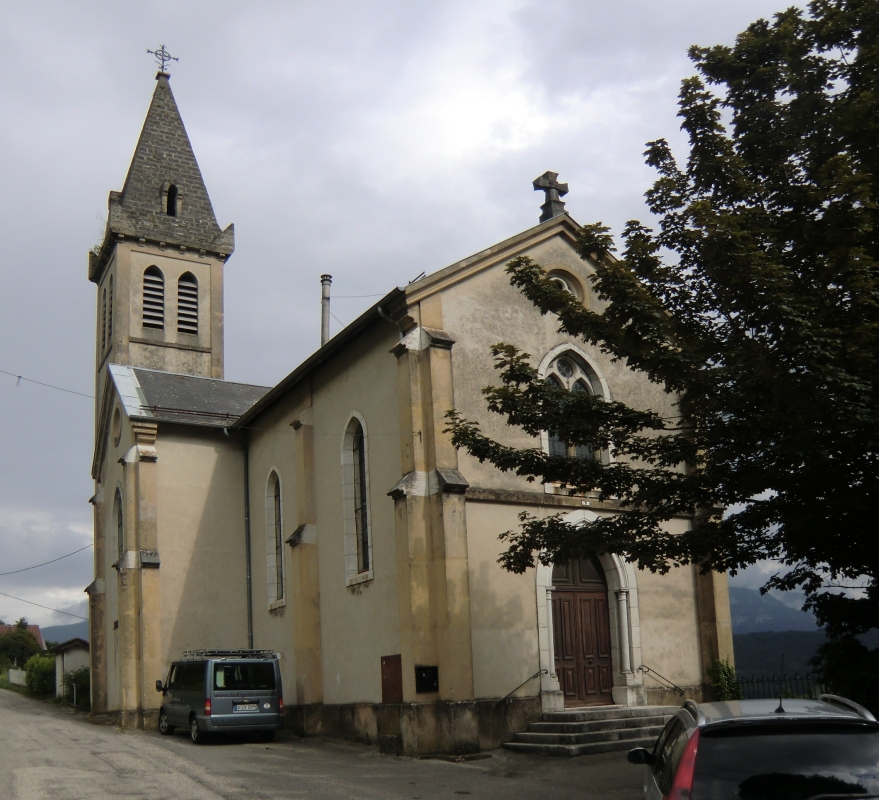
(581, 627)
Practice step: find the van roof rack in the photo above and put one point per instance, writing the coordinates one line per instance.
(239, 653)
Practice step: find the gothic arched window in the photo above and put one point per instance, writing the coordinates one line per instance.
(274, 540)
(119, 519)
(187, 304)
(110, 314)
(153, 298)
(355, 487)
(571, 374)
(104, 321)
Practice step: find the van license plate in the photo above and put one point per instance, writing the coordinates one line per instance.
(247, 707)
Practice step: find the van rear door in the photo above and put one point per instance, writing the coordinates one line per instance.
(244, 693)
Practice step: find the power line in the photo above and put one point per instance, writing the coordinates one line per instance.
(20, 378)
(25, 569)
(30, 602)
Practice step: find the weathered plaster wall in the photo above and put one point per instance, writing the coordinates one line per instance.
(201, 541)
(503, 608)
(359, 624)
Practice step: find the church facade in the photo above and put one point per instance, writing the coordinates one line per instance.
(329, 519)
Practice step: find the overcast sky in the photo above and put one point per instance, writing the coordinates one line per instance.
(369, 139)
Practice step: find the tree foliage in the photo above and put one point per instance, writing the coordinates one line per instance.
(755, 302)
(18, 646)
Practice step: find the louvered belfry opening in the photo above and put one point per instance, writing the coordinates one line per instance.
(153, 298)
(187, 304)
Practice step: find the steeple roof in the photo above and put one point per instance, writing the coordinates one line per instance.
(163, 160)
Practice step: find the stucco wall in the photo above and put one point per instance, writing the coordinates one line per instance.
(358, 624)
(69, 660)
(503, 608)
(200, 497)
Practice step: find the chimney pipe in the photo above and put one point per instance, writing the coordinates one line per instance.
(325, 281)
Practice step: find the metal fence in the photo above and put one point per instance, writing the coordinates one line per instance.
(765, 686)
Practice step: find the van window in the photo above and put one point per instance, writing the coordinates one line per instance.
(244, 676)
(190, 677)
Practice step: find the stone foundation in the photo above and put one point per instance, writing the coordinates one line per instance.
(412, 729)
(666, 696)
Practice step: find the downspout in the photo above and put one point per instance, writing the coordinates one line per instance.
(247, 557)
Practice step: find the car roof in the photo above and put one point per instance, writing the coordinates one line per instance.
(756, 710)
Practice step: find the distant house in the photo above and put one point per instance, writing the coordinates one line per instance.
(34, 630)
(69, 655)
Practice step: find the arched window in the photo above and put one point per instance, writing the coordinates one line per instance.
(355, 488)
(274, 540)
(187, 304)
(153, 298)
(171, 205)
(119, 519)
(572, 374)
(110, 314)
(104, 321)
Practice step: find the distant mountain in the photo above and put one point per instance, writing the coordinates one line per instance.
(761, 653)
(62, 633)
(753, 612)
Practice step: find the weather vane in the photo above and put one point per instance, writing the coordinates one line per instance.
(162, 56)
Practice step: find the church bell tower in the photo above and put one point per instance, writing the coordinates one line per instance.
(159, 269)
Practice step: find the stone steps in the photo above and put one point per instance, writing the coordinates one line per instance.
(585, 731)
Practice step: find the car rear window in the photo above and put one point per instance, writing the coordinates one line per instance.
(244, 677)
(787, 762)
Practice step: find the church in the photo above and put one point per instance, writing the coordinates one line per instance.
(330, 520)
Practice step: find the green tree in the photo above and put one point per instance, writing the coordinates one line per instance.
(18, 646)
(755, 302)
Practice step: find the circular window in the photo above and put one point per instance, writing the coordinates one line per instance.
(564, 368)
(117, 427)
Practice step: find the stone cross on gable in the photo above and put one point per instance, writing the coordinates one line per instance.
(553, 206)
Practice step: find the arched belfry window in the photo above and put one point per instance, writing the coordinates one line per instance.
(171, 201)
(572, 374)
(355, 488)
(153, 298)
(274, 540)
(187, 304)
(119, 519)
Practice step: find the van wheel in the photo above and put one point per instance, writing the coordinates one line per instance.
(197, 736)
(267, 736)
(165, 728)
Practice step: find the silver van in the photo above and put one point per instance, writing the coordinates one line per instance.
(222, 691)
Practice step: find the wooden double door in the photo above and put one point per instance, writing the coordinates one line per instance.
(581, 631)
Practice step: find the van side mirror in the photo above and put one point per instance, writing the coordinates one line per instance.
(160, 687)
(640, 755)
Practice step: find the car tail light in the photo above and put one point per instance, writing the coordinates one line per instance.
(281, 705)
(683, 783)
(207, 707)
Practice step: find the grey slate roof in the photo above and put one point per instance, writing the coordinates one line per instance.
(163, 157)
(166, 396)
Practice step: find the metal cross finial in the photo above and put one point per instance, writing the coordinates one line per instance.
(548, 183)
(162, 56)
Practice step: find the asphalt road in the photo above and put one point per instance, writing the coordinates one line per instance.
(50, 753)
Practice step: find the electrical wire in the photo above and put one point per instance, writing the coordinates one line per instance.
(32, 603)
(25, 569)
(20, 378)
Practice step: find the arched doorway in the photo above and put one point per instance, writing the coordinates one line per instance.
(581, 633)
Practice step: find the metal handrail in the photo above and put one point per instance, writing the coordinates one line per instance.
(531, 678)
(645, 668)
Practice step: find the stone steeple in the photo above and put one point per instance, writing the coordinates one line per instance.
(159, 269)
(164, 199)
